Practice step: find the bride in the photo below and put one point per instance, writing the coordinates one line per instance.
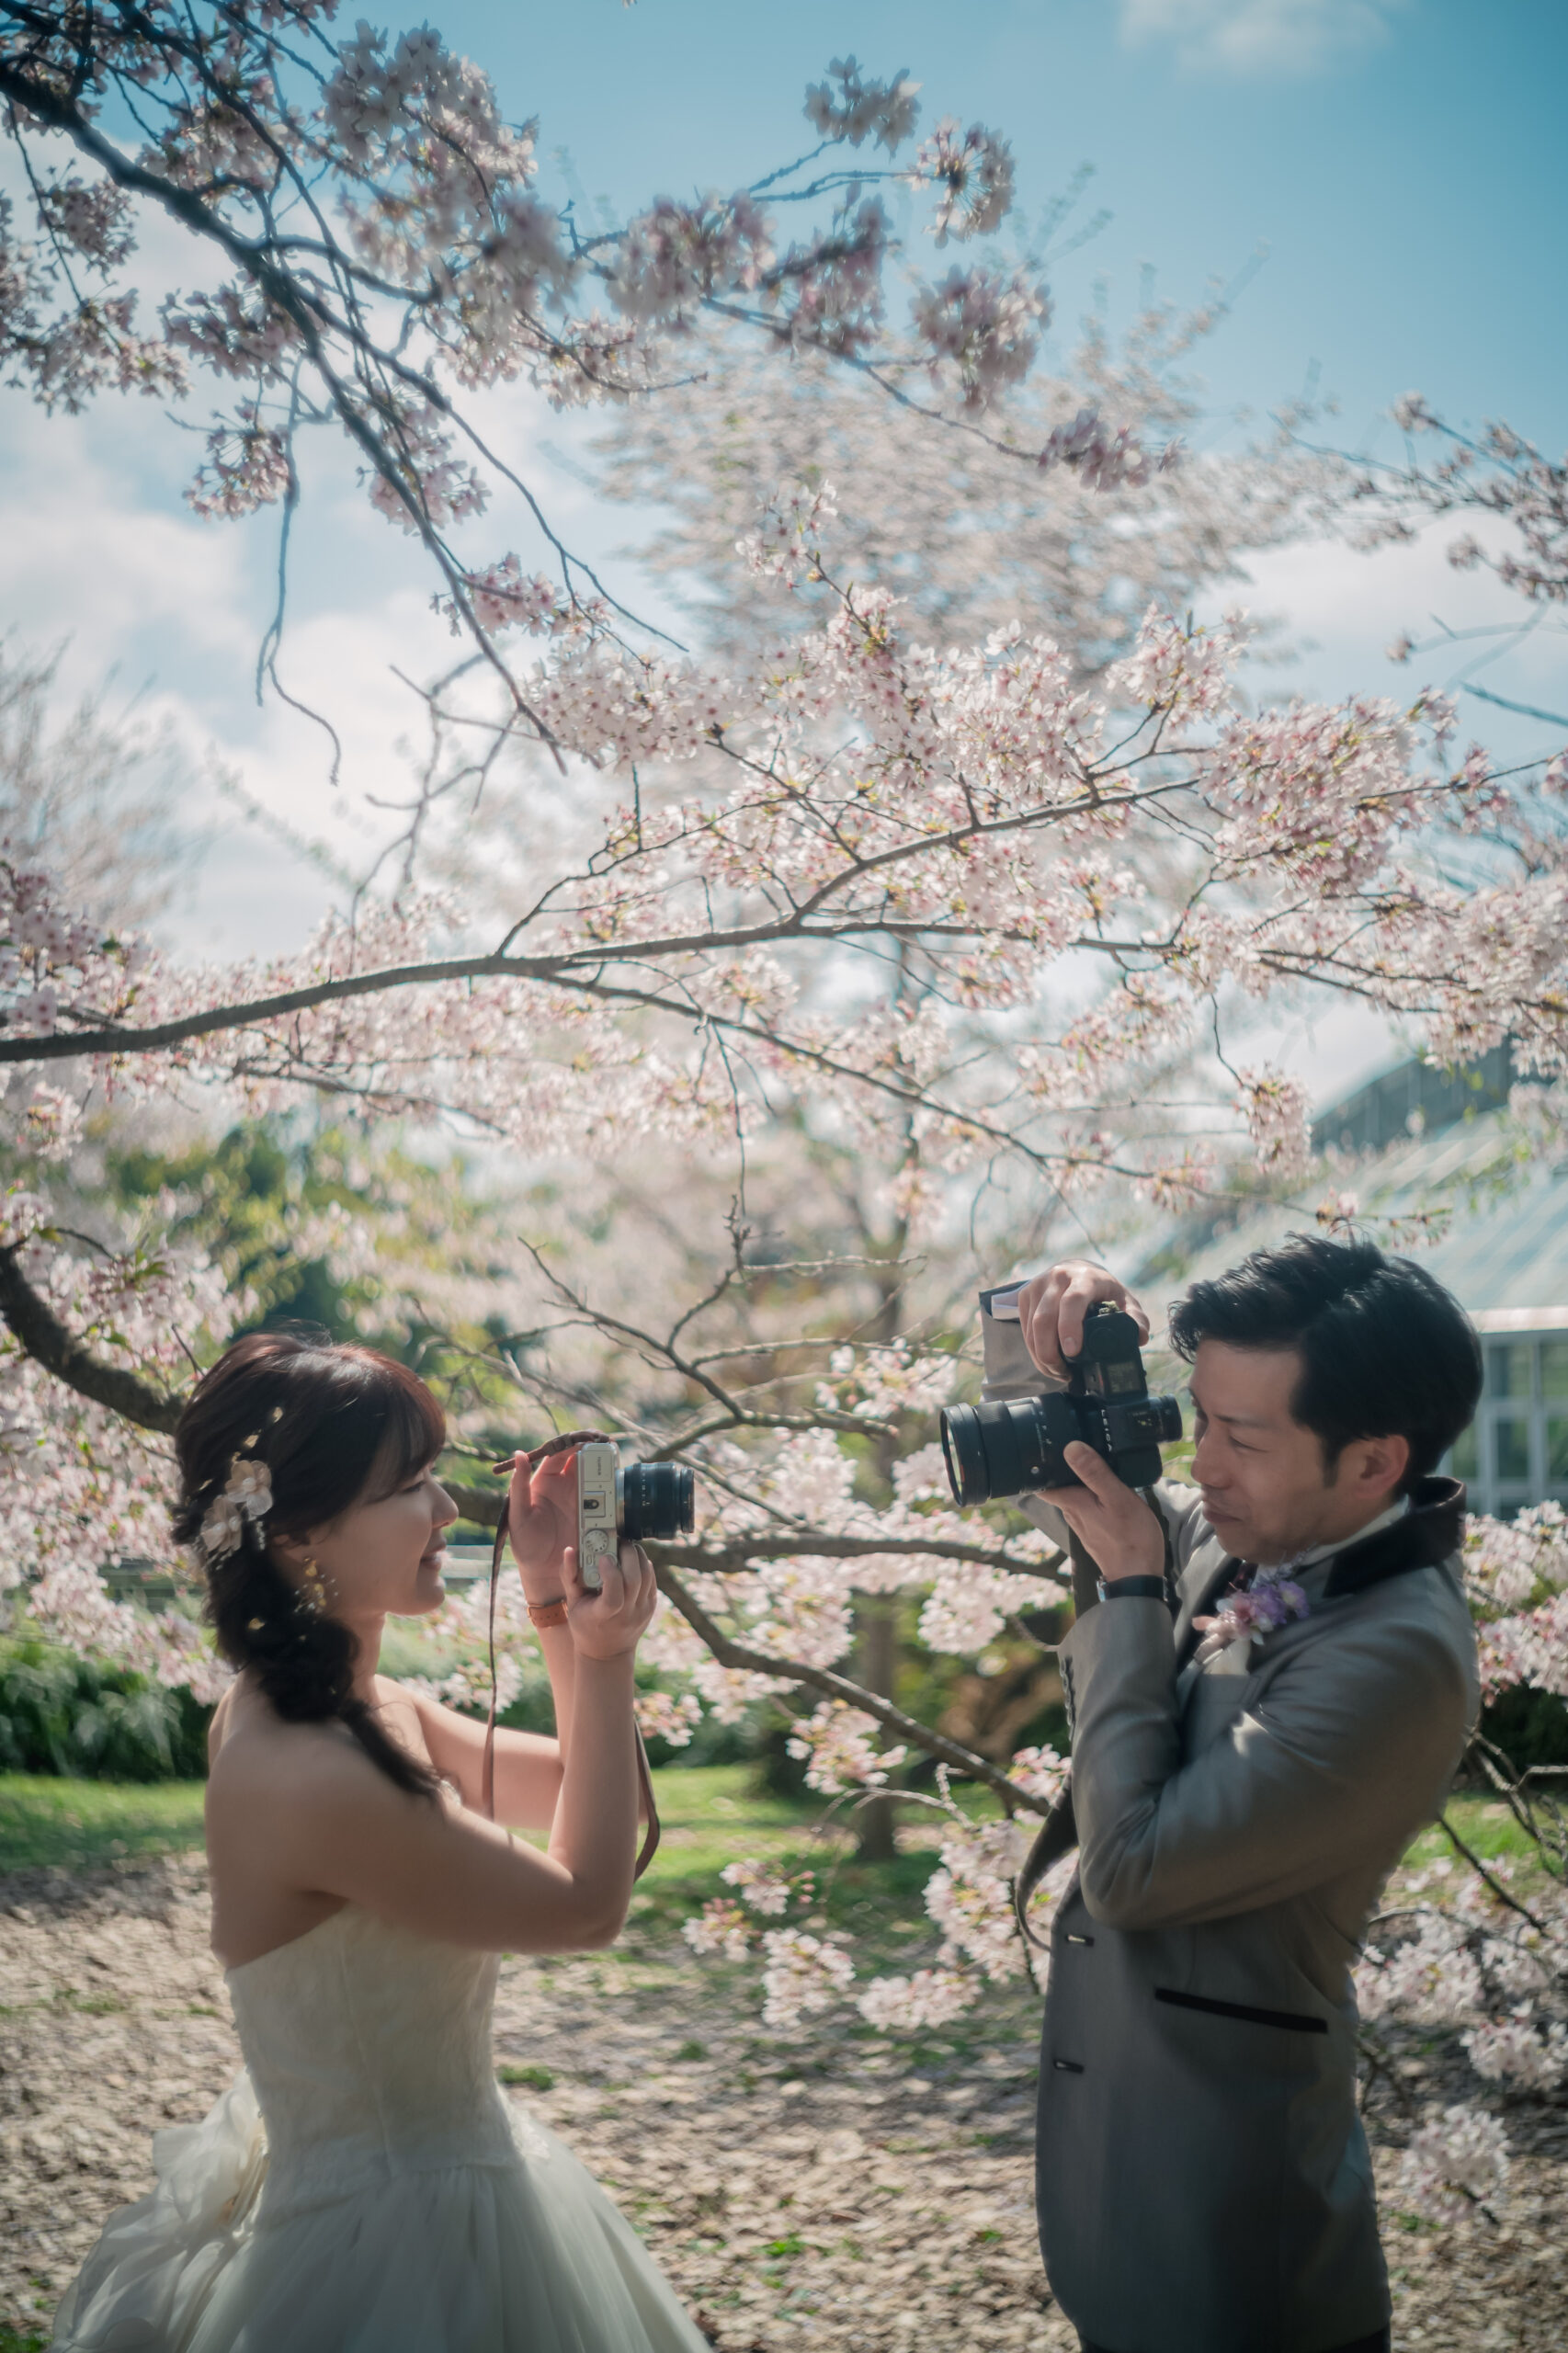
(363, 2187)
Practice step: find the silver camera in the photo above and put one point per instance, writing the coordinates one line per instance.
(636, 1500)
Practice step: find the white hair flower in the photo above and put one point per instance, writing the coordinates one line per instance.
(246, 1495)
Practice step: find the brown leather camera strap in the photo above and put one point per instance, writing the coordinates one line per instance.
(651, 1835)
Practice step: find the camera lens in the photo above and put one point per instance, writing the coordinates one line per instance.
(1169, 1413)
(1008, 1448)
(657, 1500)
(963, 1451)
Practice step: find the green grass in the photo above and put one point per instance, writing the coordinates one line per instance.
(45, 1820)
(1487, 1828)
(711, 1817)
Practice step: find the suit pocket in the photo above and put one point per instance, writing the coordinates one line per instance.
(1290, 2021)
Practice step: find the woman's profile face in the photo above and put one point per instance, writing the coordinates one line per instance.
(384, 1554)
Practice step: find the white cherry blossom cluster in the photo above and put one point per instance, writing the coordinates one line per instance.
(52, 961)
(670, 1716)
(973, 170)
(1456, 2161)
(720, 1929)
(1520, 2051)
(1278, 1113)
(985, 326)
(675, 255)
(246, 465)
(1104, 456)
(801, 1974)
(766, 1891)
(843, 105)
(468, 1688)
(837, 1745)
(504, 596)
(1485, 1952)
(785, 545)
(729, 1928)
(1517, 1575)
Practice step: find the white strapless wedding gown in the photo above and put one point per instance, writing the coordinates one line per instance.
(363, 2187)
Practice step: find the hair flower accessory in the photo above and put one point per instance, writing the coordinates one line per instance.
(247, 1495)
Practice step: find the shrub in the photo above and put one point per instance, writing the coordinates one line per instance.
(79, 1717)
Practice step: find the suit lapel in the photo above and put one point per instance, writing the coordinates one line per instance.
(1432, 1530)
(1199, 1603)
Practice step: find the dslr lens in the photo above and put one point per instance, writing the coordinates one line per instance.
(963, 1451)
(1008, 1448)
(657, 1501)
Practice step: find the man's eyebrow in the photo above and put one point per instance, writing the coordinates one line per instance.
(1237, 1421)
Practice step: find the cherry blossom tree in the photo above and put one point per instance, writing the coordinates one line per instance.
(380, 253)
(949, 521)
(994, 916)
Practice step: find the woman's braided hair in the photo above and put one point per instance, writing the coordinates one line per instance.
(332, 1425)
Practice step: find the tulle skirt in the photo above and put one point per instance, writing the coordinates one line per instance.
(528, 2257)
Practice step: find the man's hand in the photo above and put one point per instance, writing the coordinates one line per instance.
(1053, 1307)
(1115, 1528)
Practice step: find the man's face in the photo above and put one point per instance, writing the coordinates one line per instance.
(1265, 1492)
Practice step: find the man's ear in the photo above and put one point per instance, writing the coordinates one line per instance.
(1381, 1464)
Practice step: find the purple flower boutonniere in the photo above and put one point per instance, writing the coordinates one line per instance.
(1268, 1603)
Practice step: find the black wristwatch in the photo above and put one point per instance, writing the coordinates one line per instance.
(1132, 1589)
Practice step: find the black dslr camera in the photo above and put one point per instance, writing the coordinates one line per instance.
(1015, 1444)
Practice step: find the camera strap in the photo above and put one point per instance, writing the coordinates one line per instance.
(1058, 1834)
(487, 1785)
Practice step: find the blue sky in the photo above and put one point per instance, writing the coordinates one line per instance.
(1402, 160)
(1404, 164)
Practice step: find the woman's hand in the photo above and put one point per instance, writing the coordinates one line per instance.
(541, 1513)
(611, 1622)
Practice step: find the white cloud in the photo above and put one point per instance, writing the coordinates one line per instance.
(1344, 608)
(1260, 36)
(101, 560)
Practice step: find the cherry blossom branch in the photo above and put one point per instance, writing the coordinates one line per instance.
(35, 1327)
(838, 1687)
(484, 1506)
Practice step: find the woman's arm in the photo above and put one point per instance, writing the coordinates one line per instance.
(528, 1764)
(315, 1815)
(542, 1523)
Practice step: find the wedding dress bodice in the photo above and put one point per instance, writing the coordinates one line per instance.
(365, 2186)
(369, 2049)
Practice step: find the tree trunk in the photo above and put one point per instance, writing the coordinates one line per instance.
(876, 1620)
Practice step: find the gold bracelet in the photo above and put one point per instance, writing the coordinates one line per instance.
(549, 1613)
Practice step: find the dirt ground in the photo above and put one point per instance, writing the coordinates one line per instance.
(813, 2194)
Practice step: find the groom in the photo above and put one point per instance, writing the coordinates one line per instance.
(1268, 1702)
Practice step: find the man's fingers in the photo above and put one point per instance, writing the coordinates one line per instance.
(1088, 1286)
(1095, 1474)
(1037, 1321)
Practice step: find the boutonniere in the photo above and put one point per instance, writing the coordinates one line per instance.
(1269, 1602)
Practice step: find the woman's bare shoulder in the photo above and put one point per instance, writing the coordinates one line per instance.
(287, 1762)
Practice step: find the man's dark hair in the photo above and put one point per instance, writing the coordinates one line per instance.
(1385, 1351)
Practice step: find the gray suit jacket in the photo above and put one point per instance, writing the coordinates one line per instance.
(1203, 2183)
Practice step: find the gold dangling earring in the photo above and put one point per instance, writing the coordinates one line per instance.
(313, 1589)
